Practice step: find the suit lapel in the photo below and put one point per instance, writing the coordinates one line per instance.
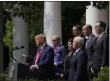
(101, 37)
(44, 48)
(90, 40)
(76, 53)
(43, 51)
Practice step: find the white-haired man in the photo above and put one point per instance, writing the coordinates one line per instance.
(78, 64)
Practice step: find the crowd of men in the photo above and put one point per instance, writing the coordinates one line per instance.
(86, 55)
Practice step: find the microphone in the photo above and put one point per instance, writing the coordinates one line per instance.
(17, 48)
(21, 47)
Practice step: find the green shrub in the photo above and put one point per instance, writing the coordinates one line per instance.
(103, 75)
(3, 76)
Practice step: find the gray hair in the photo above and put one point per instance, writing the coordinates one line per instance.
(80, 40)
(41, 36)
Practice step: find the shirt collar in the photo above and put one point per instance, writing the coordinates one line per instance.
(101, 34)
(42, 46)
(77, 50)
(88, 37)
(57, 46)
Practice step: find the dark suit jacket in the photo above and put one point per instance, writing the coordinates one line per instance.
(78, 67)
(59, 55)
(101, 53)
(61, 50)
(90, 49)
(46, 63)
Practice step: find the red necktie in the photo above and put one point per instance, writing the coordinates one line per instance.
(37, 56)
(54, 48)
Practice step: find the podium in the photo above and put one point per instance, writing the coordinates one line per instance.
(17, 71)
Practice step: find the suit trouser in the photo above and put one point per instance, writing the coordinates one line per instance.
(90, 75)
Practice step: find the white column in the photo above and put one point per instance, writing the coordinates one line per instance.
(20, 37)
(52, 20)
(93, 15)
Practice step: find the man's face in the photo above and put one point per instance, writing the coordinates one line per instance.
(76, 32)
(98, 28)
(85, 30)
(55, 41)
(75, 43)
(38, 41)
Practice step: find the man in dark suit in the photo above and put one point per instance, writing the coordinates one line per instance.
(59, 54)
(78, 65)
(101, 53)
(43, 62)
(89, 45)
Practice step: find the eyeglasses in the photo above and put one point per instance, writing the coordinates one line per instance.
(97, 26)
(53, 40)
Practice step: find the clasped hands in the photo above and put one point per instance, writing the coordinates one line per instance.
(33, 67)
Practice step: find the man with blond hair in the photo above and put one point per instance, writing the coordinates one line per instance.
(43, 62)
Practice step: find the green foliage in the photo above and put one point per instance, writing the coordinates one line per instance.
(3, 76)
(100, 4)
(103, 75)
(83, 19)
(9, 34)
(29, 10)
(34, 29)
(32, 13)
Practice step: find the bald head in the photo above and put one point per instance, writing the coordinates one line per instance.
(56, 39)
(87, 30)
